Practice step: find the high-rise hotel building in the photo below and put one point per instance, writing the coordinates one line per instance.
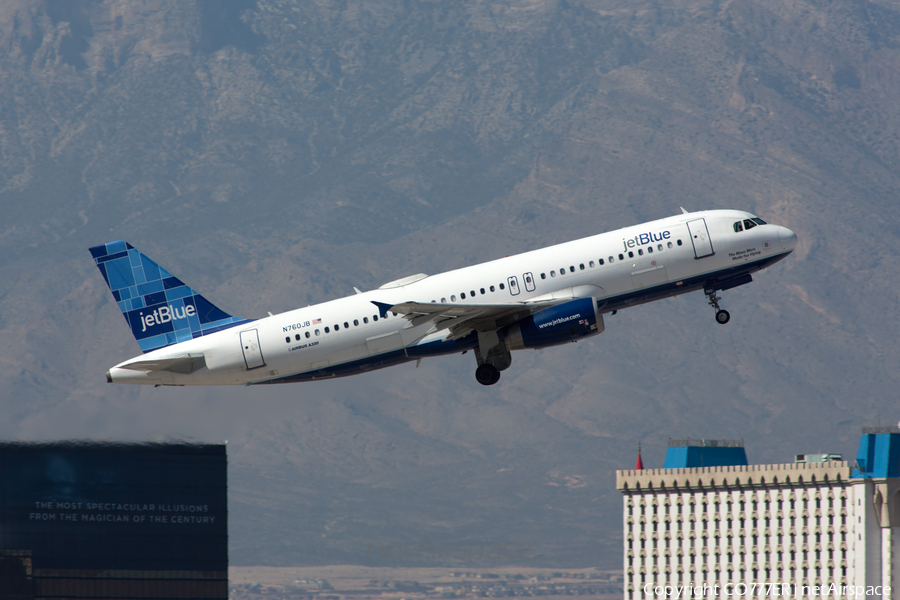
(708, 517)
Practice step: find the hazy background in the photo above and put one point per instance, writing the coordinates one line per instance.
(275, 154)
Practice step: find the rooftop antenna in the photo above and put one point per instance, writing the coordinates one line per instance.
(639, 465)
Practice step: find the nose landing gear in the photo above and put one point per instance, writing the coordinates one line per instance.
(722, 316)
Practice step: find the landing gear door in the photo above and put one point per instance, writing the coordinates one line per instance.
(700, 238)
(253, 357)
(513, 284)
(529, 282)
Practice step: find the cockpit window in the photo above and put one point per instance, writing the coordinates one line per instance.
(758, 221)
(748, 224)
(738, 227)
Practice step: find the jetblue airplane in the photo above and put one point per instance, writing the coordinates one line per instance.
(534, 300)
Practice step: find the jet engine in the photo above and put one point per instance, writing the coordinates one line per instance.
(556, 325)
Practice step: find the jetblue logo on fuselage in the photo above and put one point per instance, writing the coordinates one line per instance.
(646, 238)
(164, 314)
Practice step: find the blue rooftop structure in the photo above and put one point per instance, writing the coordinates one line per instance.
(686, 454)
(879, 453)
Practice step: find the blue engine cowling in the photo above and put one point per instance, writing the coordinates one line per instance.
(556, 325)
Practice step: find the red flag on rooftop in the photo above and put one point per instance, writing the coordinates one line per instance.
(639, 465)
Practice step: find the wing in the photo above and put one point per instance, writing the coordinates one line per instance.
(462, 319)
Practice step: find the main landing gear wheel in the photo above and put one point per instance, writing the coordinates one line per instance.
(722, 316)
(487, 374)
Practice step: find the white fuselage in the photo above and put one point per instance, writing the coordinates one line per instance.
(658, 259)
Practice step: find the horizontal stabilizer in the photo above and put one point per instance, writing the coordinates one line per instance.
(184, 365)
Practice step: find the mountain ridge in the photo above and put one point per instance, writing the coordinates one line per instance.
(276, 154)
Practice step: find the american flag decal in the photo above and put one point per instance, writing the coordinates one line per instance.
(317, 321)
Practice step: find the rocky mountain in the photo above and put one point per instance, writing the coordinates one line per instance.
(275, 154)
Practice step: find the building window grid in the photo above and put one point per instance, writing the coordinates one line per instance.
(764, 552)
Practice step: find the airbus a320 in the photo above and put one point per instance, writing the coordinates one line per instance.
(538, 299)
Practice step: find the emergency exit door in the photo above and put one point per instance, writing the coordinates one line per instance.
(253, 357)
(700, 238)
(513, 285)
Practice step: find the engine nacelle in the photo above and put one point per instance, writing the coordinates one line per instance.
(556, 325)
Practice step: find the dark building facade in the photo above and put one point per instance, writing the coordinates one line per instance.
(113, 521)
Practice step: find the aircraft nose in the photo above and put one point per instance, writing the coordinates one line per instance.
(788, 238)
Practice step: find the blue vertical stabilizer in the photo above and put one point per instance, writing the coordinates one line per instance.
(160, 309)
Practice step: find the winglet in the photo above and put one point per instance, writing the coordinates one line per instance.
(687, 212)
(356, 289)
(382, 308)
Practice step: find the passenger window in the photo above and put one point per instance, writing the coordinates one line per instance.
(649, 249)
(630, 254)
(347, 325)
(669, 244)
(571, 269)
(365, 319)
(543, 276)
(552, 273)
(502, 287)
(492, 288)
(738, 227)
(317, 332)
(562, 271)
(337, 327)
(297, 337)
(443, 301)
(611, 260)
(462, 296)
(600, 261)
(482, 291)
(659, 247)
(581, 266)
(327, 330)
(748, 224)
(621, 257)
(640, 251)
(472, 293)
(591, 264)
(287, 340)
(679, 242)
(452, 297)
(307, 335)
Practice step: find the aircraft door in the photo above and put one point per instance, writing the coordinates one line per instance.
(529, 282)
(513, 284)
(700, 238)
(253, 357)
